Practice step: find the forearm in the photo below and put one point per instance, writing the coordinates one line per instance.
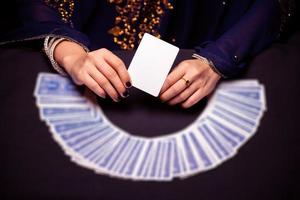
(251, 34)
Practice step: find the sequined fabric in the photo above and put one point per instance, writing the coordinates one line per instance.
(288, 8)
(136, 17)
(64, 7)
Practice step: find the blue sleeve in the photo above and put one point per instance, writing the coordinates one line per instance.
(39, 20)
(254, 31)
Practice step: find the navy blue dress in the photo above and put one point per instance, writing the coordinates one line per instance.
(227, 32)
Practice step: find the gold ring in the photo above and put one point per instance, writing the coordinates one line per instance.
(187, 82)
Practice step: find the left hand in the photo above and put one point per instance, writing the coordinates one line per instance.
(202, 80)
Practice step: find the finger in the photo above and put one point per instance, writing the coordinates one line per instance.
(183, 96)
(104, 84)
(174, 90)
(112, 76)
(94, 86)
(119, 66)
(172, 78)
(195, 98)
(208, 85)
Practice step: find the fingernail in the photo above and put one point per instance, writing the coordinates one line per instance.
(103, 96)
(128, 84)
(126, 94)
(163, 101)
(118, 99)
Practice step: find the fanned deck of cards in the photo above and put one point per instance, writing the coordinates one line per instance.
(80, 127)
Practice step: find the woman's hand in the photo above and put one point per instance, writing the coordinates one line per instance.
(188, 83)
(101, 71)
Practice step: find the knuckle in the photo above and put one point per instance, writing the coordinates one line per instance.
(120, 65)
(181, 97)
(168, 81)
(94, 87)
(79, 76)
(87, 61)
(174, 90)
(185, 63)
(196, 70)
(111, 74)
(104, 51)
(104, 83)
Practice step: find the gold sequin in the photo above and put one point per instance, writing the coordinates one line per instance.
(64, 7)
(136, 17)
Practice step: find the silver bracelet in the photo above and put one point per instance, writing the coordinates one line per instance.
(209, 63)
(49, 46)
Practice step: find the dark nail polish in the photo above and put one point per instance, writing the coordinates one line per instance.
(119, 98)
(125, 94)
(128, 84)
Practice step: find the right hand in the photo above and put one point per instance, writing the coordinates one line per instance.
(100, 70)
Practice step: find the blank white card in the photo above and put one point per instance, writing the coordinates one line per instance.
(151, 64)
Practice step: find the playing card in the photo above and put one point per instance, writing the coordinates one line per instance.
(132, 162)
(139, 165)
(202, 155)
(100, 148)
(109, 159)
(130, 156)
(176, 166)
(124, 157)
(161, 161)
(61, 101)
(192, 165)
(182, 160)
(144, 165)
(54, 84)
(233, 139)
(155, 162)
(230, 130)
(237, 106)
(151, 64)
(61, 113)
(167, 169)
(235, 119)
(78, 124)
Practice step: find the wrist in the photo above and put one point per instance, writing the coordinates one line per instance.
(209, 63)
(66, 52)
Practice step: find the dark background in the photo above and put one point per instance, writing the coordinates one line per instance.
(33, 166)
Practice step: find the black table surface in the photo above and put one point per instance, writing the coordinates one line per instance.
(33, 166)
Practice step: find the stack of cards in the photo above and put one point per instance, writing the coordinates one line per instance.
(78, 124)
